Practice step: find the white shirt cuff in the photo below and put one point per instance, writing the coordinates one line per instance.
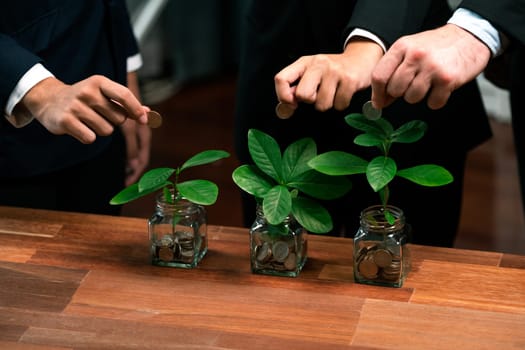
(33, 76)
(134, 63)
(365, 34)
(479, 27)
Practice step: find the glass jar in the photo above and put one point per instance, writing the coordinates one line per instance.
(178, 233)
(278, 250)
(381, 256)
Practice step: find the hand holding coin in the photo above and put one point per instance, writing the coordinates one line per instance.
(370, 112)
(154, 119)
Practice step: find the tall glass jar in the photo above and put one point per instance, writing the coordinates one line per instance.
(278, 250)
(178, 233)
(381, 256)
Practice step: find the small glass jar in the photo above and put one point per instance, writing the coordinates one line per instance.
(278, 250)
(178, 233)
(381, 256)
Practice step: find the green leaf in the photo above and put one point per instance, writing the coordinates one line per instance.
(427, 175)
(204, 157)
(380, 171)
(251, 180)
(311, 215)
(338, 163)
(321, 186)
(296, 157)
(277, 204)
(368, 140)
(265, 153)
(129, 194)
(380, 127)
(202, 192)
(410, 132)
(154, 179)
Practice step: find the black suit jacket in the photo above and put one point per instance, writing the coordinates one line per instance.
(279, 32)
(73, 40)
(508, 16)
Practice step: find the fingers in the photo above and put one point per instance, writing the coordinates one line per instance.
(79, 131)
(319, 79)
(285, 81)
(125, 98)
(438, 97)
(382, 75)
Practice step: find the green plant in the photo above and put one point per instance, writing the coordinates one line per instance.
(381, 170)
(278, 182)
(198, 191)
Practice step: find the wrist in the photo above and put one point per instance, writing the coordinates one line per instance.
(363, 47)
(36, 98)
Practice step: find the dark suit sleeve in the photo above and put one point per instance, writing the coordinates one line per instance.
(16, 61)
(390, 20)
(506, 15)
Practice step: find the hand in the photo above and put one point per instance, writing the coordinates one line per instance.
(329, 80)
(83, 110)
(138, 147)
(434, 62)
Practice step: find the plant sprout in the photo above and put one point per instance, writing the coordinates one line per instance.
(381, 170)
(198, 191)
(279, 182)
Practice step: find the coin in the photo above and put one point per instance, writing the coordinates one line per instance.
(166, 241)
(392, 272)
(382, 258)
(280, 251)
(264, 253)
(290, 262)
(166, 254)
(284, 110)
(370, 112)
(368, 269)
(154, 119)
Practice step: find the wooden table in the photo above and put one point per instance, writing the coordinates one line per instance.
(76, 281)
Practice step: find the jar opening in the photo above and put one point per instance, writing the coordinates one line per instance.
(175, 201)
(374, 218)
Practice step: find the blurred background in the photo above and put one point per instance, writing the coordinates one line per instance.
(190, 51)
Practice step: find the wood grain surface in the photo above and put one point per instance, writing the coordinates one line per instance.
(78, 281)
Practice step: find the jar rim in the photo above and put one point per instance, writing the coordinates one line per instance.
(374, 218)
(180, 203)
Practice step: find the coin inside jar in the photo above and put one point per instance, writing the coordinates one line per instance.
(166, 254)
(154, 119)
(368, 268)
(280, 251)
(264, 253)
(370, 112)
(284, 110)
(382, 258)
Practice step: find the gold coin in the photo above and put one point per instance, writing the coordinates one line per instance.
(289, 263)
(370, 112)
(154, 119)
(284, 110)
(382, 258)
(368, 268)
(166, 254)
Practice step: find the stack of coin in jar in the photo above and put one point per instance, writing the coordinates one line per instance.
(376, 263)
(180, 247)
(276, 254)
